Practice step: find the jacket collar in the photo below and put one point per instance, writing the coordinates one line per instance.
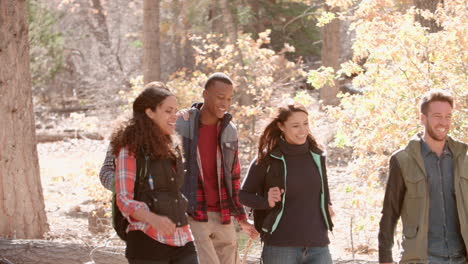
(277, 153)
(414, 148)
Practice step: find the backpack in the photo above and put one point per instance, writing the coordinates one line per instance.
(119, 222)
(259, 216)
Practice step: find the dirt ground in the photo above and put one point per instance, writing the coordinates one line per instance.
(72, 192)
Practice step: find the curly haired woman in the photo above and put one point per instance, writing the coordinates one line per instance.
(148, 177)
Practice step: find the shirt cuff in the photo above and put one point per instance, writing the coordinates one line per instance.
(132, 209)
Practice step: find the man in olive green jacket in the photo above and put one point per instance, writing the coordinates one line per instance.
(428, 189)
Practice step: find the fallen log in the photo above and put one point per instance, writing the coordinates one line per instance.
(66, 110)
(49, 252)
(44, 137)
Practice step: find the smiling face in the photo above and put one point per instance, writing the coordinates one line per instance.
(296, 128)
(437, 120)
(165, 115)
(217, 99)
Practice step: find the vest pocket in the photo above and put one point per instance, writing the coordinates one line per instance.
(415, 186)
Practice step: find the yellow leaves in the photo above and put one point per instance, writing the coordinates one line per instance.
(304, 98)
(325, 18)
(344, 4)
(321, 77)
(264, 37)
(349, 68)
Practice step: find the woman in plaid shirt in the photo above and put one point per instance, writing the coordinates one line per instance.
(145, 148)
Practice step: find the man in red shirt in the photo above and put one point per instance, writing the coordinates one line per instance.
(212, 181)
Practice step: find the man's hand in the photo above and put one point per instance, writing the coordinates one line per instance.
(274, 195)
(249, 229)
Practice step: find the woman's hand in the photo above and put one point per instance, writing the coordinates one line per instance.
(184, 113)
(274, 196)
(162, 224)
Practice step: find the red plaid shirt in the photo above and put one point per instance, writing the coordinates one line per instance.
(201, 213)
(124, 185)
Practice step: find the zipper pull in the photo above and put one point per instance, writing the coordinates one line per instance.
(150, 181)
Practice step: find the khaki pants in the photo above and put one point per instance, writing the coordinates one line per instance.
(215, 243)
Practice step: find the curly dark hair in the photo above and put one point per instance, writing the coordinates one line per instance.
(140, 133)
(272, 134)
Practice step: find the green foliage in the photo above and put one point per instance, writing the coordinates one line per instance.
(137, 44)
(291, 22)
(46, 44)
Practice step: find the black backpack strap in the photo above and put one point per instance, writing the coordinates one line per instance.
(141, 175)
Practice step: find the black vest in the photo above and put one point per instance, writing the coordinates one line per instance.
(159, 187)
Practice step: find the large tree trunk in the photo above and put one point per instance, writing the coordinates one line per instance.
(336, 48)
(22, 213)
(188, 57)
(430, 5)
(47, 252)
(177, 32)
(215, 17)
(231, 28)
(152, 53)
(95, 12)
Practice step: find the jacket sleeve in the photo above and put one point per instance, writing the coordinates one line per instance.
(325, 181)
(236, 172)
(251, 193)
(106, 174)
(393, 201)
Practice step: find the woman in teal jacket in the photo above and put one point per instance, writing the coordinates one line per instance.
(288, 189)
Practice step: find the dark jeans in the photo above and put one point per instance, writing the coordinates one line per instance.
(187, 259)
(295, 255)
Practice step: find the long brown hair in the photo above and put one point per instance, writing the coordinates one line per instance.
(140, 133)
(272, 134)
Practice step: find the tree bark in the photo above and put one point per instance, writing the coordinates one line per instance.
(151, 41)
(430, 5)
(331, 57)
(48, 252)
(187, 56)
(231, 28)
(177, 32)
(215, 17)
(101, 33)
(22, 213)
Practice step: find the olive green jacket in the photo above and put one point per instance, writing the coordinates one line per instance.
(411, 200)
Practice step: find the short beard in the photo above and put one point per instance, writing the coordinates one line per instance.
(430, 132)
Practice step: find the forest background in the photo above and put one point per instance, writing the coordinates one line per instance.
(360, 67)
